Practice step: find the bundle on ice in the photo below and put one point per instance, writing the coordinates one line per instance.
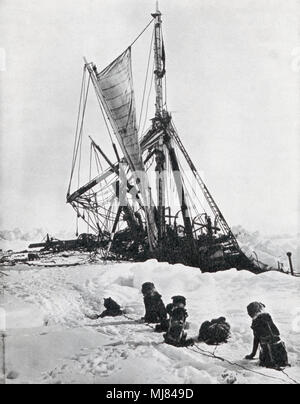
(215, 331)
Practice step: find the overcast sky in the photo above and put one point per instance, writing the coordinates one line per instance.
(233, 89)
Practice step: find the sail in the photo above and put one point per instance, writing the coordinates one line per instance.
(116, 86)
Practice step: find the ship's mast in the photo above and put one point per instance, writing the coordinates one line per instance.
(159, 73)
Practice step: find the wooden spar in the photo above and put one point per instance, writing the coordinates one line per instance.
(208, 196)
(181, 193)
(160, 152)
(113, 232)
(126, 208)
(99, 96)
(103, 155)
(116, 152)
(158, 76)
(289, 254)
(101, 177)
(160, 180)
(116, 169)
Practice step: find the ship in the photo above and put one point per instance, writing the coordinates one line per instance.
(145, 198)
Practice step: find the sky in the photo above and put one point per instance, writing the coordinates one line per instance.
(233, 89)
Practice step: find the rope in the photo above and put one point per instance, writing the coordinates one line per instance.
(90, 177)
(79, 147)
(165, 78)
(289, 377)
(193, 190)
(78, 136)
(148, 100)
(100, 101)
(77, 127)
(137, 321)
(138, 37)
(146, 80)
(213, 355)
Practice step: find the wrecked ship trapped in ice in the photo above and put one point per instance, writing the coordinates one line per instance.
(148, 200)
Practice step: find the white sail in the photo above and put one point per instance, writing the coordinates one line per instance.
(116, 86)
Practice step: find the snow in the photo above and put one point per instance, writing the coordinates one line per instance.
(50, 339)
(269, 249)
(19, 240)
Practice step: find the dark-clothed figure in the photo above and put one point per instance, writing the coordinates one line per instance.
(112, 309)
(273, 352)
(155, 310)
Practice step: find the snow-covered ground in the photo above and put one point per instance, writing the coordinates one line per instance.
(50, 339)
(269, 249)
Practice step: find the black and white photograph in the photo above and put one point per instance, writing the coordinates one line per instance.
(149, 194)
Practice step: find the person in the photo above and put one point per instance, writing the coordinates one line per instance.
(273, 353)
(112, 309)
(155, 310)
